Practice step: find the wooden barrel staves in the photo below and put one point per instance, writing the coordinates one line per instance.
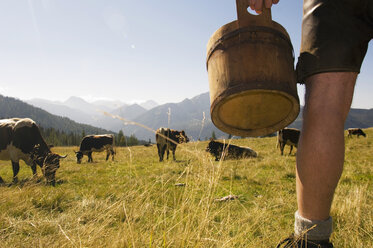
(250, 64)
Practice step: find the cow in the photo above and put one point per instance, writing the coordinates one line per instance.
(95, 143)
(167, 139)
(355, 131)
(20, 139)
(288, 136)
(229, 151)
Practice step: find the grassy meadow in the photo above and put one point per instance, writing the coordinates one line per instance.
(137, 201)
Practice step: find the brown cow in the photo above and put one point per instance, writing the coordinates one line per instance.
(20, 139)
(355, 131)
(167, 139)
(96, 143)
(288, 136)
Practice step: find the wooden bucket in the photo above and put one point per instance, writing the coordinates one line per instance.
(250, 64)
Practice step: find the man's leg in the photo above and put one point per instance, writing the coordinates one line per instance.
(320, 154)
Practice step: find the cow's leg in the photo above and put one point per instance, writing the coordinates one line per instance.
(173, 154)
(107, 154)
(112, 154)
(90, 157)
(163, 151)
(282, 146)
(291, 149)
(15, 166)
(159, 148)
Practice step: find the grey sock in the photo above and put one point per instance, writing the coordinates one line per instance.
(314, 229)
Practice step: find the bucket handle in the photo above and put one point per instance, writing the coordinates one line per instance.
(246, 19)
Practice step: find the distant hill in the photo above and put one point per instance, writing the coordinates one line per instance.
(148, 104)
(80, 104)
(108, 105)
(79, 110)
(362, 118)
(129, 111)
(60, 109)
(11, 107)
(186, 115)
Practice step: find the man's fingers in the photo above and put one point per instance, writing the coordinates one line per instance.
(258, 5)
(252, 4)
(268, 3)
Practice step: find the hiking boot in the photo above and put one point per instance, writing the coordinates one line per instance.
(293, 242)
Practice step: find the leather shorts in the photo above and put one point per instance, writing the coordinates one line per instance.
(335, 36)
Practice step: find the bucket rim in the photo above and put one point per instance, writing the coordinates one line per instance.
(291, 116)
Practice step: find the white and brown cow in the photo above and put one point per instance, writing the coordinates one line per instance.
(288, 136)
(167, 139)
(355, 131)
(20, 139)
(96, 143)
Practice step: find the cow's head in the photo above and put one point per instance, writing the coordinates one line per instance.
(38, 155)
(79, 156)
(51, 165)
(48, 161)
(182, 138)
(212, 146)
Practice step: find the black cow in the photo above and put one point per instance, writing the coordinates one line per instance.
(288, 136)
(355, 131)
(168, 139)
(96, 143)
(20, 139)
(225, 151)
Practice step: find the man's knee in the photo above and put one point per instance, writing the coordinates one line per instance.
(330, 93)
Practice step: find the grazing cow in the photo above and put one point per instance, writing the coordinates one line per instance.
(95, 143)
(288, 136)
(167, 139)
(20, 139)
(230, 151)
(355, 131)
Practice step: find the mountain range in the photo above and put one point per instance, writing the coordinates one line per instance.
(81, 111)
(11, 107)
(191, 115)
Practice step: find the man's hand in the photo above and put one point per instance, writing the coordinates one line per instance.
(257, 5)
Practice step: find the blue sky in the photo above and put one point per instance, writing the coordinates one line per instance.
(124, 50)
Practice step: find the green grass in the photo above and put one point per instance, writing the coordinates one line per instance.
(133, 201)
